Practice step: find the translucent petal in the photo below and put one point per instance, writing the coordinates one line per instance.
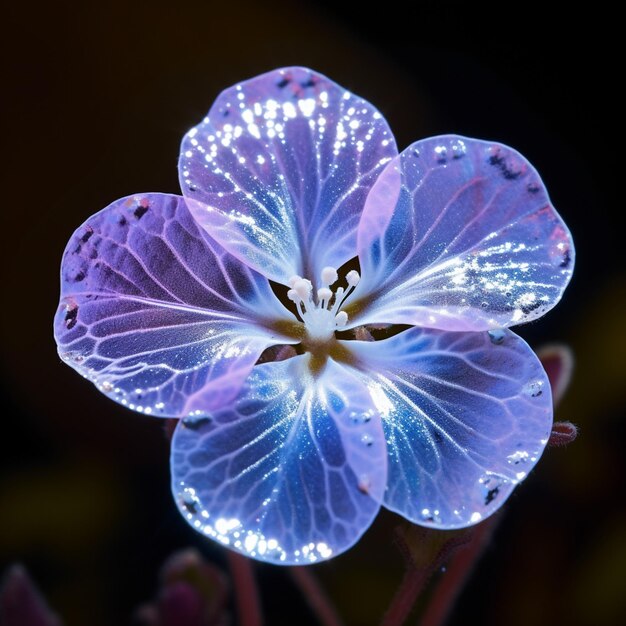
(279, 170)
(292, 473)
(158, 316)
(469, 239)
(466, 416)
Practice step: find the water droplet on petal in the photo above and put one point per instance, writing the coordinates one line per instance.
(497, 336)
(535, 389)
(490, 488)
(365, 484)
(190, 501)
(196, 420)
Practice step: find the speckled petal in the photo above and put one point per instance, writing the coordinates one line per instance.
(469, 239)
(279, 170)
(157, 315)
(293, 473)
(466, 416)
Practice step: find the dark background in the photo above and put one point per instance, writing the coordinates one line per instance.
(96, 98)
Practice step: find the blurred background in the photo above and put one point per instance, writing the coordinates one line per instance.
(96, 97)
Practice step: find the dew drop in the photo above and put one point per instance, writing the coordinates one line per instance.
(365, 484)
(190, 506)
(490, 488)
(533, 188)
(189, 501)
(367, 440)
(497, 336)
(196, 421)
(71, 315)
(534, 389)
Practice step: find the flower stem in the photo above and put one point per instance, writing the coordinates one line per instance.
(457, 574)
(424, 550)
(316, 596)
(246, 593)
(406, 595)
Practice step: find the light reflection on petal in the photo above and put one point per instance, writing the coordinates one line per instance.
(293, 473)
(155, 314)
(465, 416)
(279, 170)
(469, 239)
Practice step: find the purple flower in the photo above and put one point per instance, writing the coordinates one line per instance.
(168, 303)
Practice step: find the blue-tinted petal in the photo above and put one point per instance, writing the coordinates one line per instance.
(279, 170)
(294, 472)
(466, 417)
(156, 314)
(469, 239)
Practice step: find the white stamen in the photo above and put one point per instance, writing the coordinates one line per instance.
(303, 288)
(324, 294)
(338, 300)
(341, 319)
(329, 276)
(353, 278)
(320, 319)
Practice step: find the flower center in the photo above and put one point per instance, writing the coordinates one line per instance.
(321, 316)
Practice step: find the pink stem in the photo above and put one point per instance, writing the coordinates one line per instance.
(457, 573)
(246, 593)
(406, 595)
(316, 597)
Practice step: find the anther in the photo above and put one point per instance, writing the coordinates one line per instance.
(293, 280)
(329, 276)
(353, 278)
(341, 319)
(303, 288)
(324, 294)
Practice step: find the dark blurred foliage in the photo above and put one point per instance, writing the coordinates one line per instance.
(96, 97)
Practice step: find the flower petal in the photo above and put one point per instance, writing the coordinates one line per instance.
(279, 170)
(156, 314)
(469, 239)
(292, 473)
(466, 416)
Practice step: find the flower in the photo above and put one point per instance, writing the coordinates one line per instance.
(168, 304)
